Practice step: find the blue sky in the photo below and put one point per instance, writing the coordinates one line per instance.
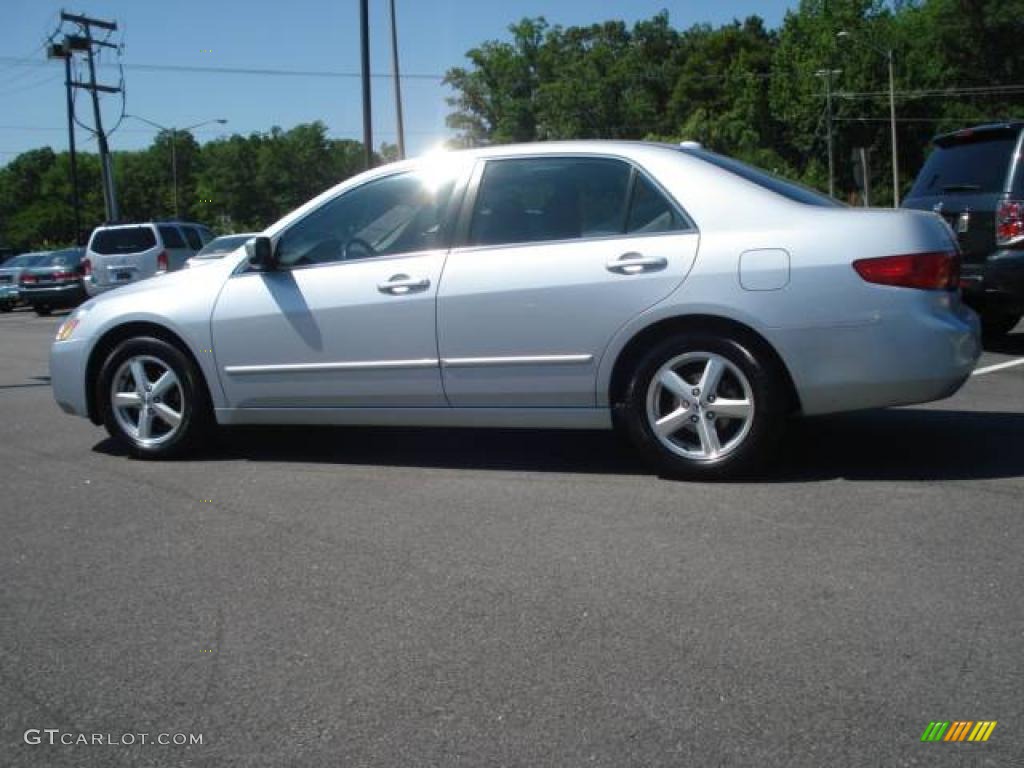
(311, 35)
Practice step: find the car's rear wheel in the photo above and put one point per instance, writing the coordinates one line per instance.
(6, 306)
(152, 399)
(996, 325)
(701, 406)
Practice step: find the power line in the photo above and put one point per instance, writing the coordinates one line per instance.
(256, 71)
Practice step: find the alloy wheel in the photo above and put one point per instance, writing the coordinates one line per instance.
(148, 400)
(700, 406)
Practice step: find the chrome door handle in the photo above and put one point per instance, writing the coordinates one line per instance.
(399, 285)
(635, 263)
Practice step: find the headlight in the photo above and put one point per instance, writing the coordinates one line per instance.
(67, 328)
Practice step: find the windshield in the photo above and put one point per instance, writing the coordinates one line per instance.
(975, 165)
(798, 193)
(222, 245)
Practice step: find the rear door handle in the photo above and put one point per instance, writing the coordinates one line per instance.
(399, 285)
(634, 263)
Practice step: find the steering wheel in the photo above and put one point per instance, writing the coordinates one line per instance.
(359, 243)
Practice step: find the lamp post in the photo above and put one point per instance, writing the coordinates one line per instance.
(888, 54)
(174, 147)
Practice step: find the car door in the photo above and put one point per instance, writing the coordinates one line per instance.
(556, 253)
(348, 318)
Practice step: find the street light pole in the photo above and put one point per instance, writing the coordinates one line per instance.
(888, 54)
(174, 148)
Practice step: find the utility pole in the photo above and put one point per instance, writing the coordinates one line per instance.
(892, 121)
(827, 75)
(87, 43)
(398, 82)
(364, 38)
(63, 51)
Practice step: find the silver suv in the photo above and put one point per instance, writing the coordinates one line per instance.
(124, 253)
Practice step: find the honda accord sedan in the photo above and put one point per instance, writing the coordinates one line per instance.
(686, 299)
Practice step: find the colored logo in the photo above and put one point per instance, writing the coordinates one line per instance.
(959, 730)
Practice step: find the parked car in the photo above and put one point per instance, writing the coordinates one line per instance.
(10, 272)
(219, 248)
(55, 281)
(690, 300)
(974, 178)
(124, 253)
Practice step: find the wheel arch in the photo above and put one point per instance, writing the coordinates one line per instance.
(114, 336)
(656, 332)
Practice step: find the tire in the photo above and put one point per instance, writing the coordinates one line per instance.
(183, 395)
(748, 384)
(995, 326)
(6, 306)
(42, 310)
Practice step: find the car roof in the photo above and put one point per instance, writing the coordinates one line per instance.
(151, 222)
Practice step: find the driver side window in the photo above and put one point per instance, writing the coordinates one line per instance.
(386, 217)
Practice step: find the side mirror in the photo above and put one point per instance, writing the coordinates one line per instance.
(260, 253)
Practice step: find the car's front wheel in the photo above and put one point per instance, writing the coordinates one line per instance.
(152, 398)
(700, 406)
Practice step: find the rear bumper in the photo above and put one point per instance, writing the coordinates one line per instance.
(996, 284)
(67, 376)
(57, 295)
(899, 359)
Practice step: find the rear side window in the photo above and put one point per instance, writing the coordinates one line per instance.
(123, 240)
(649, 211)
(172, 237)
(193, 238)
(977, 165)
(543, 199)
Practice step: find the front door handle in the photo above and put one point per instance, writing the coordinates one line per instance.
(634, 263)
(399, 285)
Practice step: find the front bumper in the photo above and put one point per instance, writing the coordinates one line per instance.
(67, 376)
(996, 284)
(902, 358)
(56, 295)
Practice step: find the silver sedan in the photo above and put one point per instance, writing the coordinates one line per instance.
(687, 299)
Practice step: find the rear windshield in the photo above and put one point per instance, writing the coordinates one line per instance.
(171, 237)
(978, 165)
(123, 240)
(798, 193)
(26, 260)
(61, 259)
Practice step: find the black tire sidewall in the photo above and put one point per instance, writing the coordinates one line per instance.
(769, 408)
(996, 325)
(195, 411)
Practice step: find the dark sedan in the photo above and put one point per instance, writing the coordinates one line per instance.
(54, 282)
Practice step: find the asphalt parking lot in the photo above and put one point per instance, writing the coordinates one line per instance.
(357, 597)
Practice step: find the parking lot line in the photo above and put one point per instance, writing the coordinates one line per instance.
(998, 367)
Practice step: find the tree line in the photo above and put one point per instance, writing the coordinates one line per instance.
(741, 88)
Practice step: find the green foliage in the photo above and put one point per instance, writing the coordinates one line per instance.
(234, 184)
(748, 91)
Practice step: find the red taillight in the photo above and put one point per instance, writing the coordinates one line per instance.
(1010, 222)
(938, 270)
(86, 268)
(28, 278)
(161, 262)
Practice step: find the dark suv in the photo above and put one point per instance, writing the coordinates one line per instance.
(974, 178)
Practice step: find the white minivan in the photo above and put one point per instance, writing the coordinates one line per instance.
(124, 253)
